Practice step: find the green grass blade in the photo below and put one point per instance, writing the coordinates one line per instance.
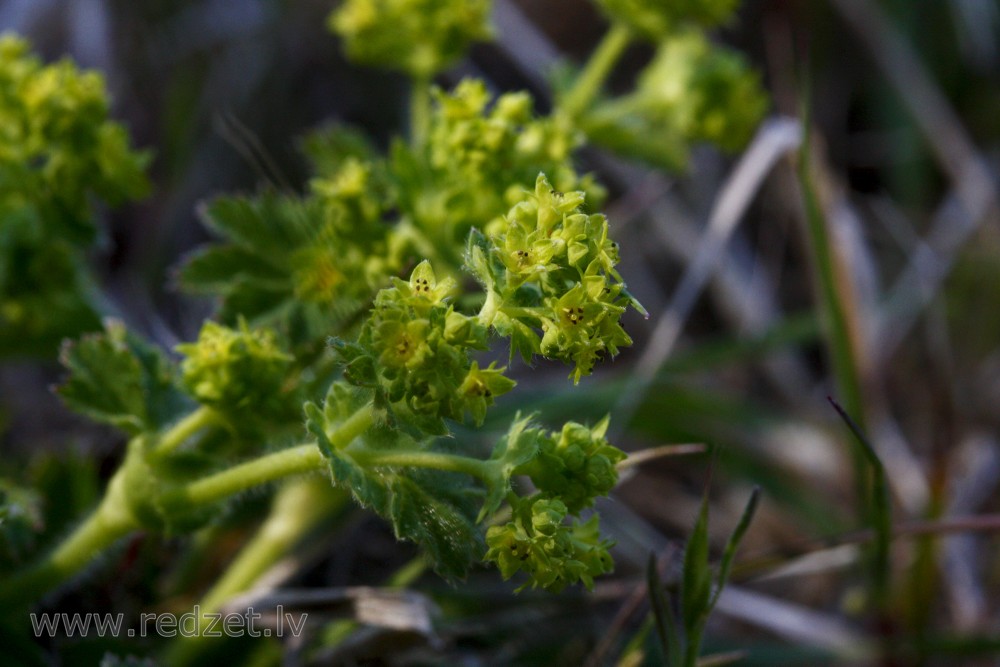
(881, 510)
(733, 544)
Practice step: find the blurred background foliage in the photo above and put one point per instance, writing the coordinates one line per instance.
(900, 102)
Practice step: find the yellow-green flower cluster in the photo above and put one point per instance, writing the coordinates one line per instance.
(58, 146)
(702, 91)
(420, 37)
(58, 151)
(414, 350)
(553, 553)
(478, 160)
(239, 372)
(570, 469)
(551, 267)
(504, 143)
(575, 465)
(657, 18)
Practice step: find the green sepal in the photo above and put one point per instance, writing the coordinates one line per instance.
(359, 366)
(118, 379)
(477, 259)
(523, 339)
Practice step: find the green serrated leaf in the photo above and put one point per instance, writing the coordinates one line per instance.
(220, 268)
(329, 147)
(427, 507)
(251, 223)
(118, 379)
(433, 510)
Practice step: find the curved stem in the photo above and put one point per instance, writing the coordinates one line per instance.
(113, 520)
(298, 509)
(591, 79)
(110, 522)
(201, 418)
(293, 461)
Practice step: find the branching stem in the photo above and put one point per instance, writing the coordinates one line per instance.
(110, 522)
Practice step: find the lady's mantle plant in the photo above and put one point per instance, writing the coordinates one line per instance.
(483, 211)
(551, 286)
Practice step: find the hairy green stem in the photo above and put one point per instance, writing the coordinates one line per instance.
(483, 470)
(298, 508)
(110, 522)
(591, 79)
(179, 433)
(113, 519)
(272, 467)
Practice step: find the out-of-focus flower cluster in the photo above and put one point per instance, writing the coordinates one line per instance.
(58, 152)
(420, 37)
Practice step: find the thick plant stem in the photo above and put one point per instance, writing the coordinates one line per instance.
(113, 520)
(106, 525)
(293, 461)
(591, 79)
(298, 508)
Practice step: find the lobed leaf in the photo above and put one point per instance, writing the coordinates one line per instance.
(118, 379)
